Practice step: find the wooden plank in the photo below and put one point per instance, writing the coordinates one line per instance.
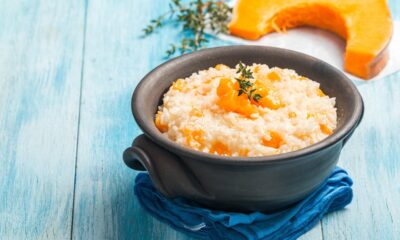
(116, 58)
(314, 234)
(394, 8)
(40, 67)
(372, 158)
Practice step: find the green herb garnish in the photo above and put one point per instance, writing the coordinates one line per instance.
(246, 87)
(195, 16)
(257, 97)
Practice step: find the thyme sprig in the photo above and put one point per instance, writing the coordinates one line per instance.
(246, 86)
(195, 17)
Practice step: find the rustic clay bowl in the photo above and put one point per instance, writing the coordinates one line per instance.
(239, 183)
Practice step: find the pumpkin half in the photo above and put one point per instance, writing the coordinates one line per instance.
(365, 25)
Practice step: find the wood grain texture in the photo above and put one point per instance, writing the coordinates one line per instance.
(40, 68)
(372, 157)
(394, 8)
(116, 58)
(46, 56)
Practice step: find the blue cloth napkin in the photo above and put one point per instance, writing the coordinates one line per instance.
(191, 218)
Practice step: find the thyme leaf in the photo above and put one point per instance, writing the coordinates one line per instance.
(195, 17)
(246, 87)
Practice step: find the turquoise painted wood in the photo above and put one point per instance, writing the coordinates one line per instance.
(115, 60)
(67, 71)
(40, 76)
(372, 157)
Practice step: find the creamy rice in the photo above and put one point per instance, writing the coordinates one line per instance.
(200, 112)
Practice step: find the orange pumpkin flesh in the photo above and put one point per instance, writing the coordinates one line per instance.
(229, 100)
(325, 129)
(365, 25)
(275, 142)
(159, 125)
(220, 149)
(194, 137)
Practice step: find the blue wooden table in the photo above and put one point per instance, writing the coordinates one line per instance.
(67, 71)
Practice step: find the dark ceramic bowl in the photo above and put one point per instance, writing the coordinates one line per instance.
(239, 183)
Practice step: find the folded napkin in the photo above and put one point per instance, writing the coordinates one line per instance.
(188, 217)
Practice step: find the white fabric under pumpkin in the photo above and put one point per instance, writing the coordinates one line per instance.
(323, 45)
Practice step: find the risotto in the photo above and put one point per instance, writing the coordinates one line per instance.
(246, 111)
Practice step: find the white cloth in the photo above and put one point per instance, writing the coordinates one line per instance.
(323, 45)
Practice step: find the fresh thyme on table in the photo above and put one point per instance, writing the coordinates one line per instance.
(196, 16)
(245, 84)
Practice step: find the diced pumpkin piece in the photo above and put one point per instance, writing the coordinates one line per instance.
(179, 85)
(194, 137)
(159, 125)
(274, 142)
(325, 129)
(274, 76)
(292, 114)
(302, 136)
(320, 92)
(221, 66)
(365, 25)
(196, 112)
(220, 149)
(243, 152)
(229, 100)
(225, 87)
(265, 100)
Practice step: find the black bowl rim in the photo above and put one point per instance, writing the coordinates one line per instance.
(159, 138)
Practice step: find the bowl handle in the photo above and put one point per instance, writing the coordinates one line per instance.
(137, 159)
(168, 172)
